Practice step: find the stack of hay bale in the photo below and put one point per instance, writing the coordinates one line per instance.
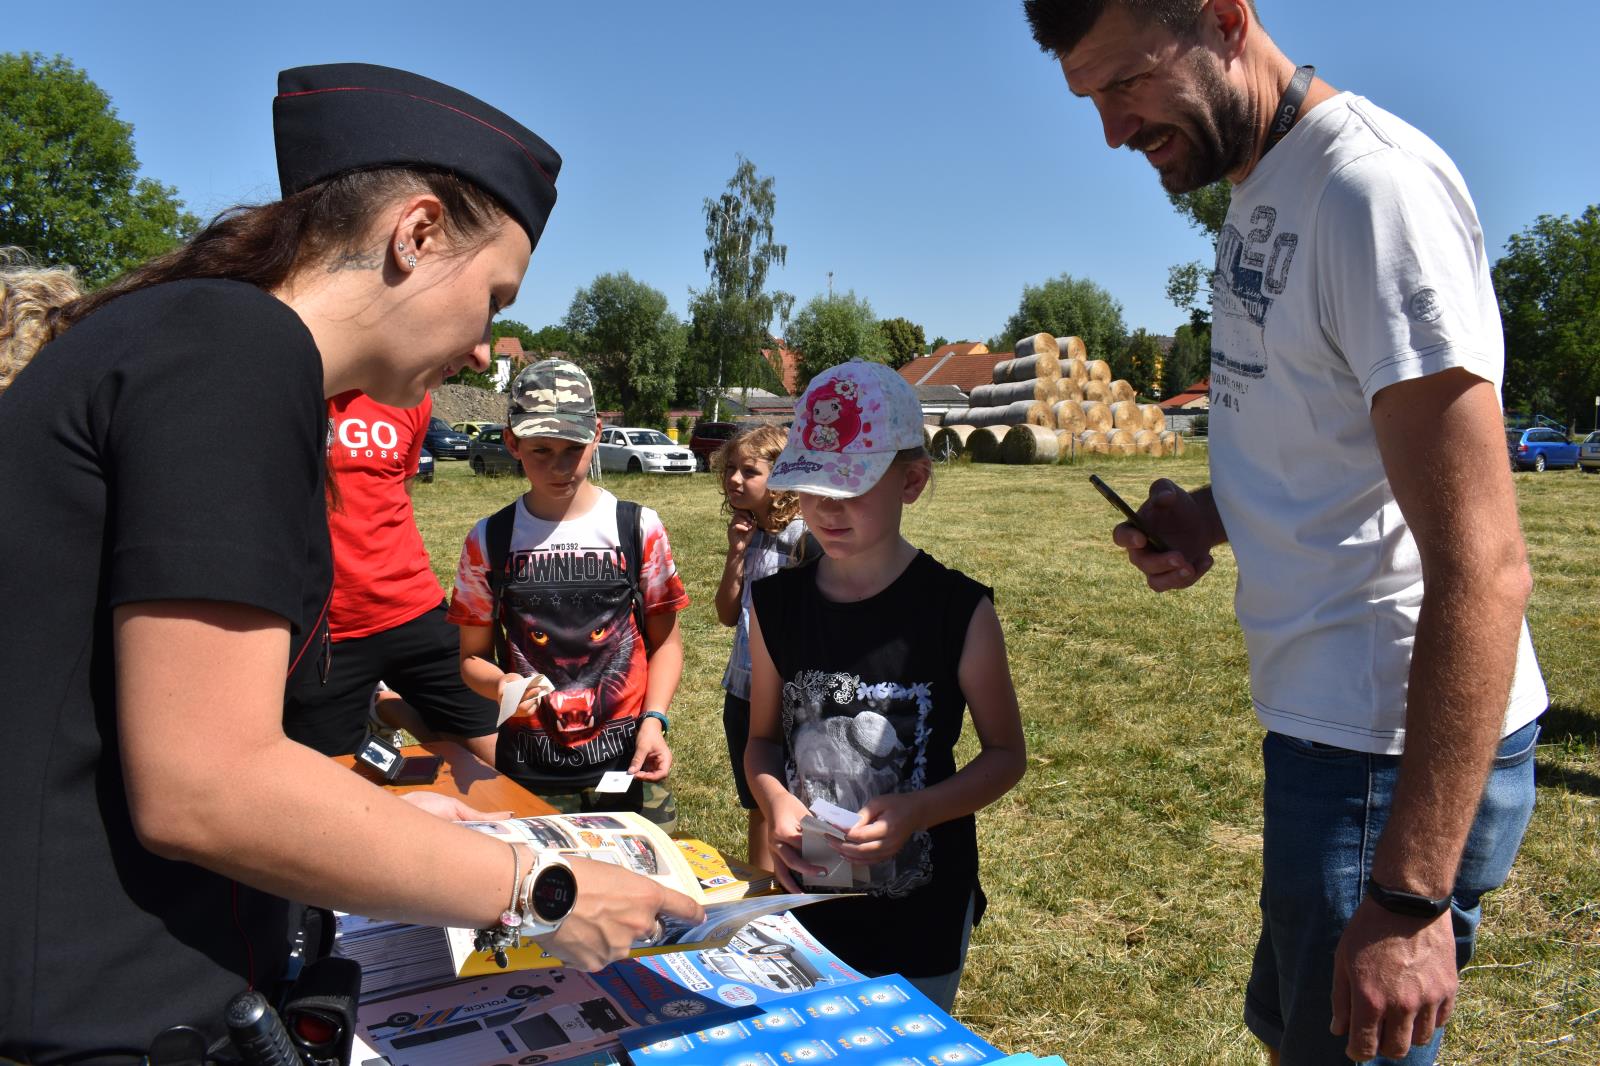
(1049, 402)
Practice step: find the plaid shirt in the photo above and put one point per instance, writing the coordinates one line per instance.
(765, 555)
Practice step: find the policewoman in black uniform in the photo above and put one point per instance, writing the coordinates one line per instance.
(166, 568)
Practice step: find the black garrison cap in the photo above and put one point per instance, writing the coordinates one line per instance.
(347, 116)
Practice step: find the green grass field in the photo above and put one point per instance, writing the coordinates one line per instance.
(1122, 871)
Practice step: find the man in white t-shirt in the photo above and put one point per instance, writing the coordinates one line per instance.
(1357, 444)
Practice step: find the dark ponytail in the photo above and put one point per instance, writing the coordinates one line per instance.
(264, 245)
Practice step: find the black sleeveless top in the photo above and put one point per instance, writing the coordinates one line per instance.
(871, 704)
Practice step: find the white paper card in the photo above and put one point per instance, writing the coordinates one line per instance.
(615, 781)
(513, 693)
(834, 814)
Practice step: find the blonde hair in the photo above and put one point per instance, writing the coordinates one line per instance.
(764, 442)
(28, 295)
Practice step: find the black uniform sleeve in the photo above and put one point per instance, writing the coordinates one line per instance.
(213, 447)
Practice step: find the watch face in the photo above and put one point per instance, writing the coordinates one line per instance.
(555, 890)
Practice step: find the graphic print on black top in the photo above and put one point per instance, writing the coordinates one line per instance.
(851, 740)
(568, 615)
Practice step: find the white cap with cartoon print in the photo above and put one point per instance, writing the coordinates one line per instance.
(850, 422)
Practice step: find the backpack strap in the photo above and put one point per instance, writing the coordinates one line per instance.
(497, 542)
(630, 534)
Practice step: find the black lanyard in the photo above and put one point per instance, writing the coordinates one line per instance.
(1289, 107)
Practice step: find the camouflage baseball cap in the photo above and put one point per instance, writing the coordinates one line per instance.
(552, 398)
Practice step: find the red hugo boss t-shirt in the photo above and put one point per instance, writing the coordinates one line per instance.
(381, 575)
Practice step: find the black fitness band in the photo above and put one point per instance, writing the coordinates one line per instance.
(1289, 106)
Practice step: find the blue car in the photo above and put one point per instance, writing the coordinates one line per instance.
(1540, 448)
(444, 442)
(425, 466)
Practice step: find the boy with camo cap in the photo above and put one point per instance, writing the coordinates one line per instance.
(576, 590)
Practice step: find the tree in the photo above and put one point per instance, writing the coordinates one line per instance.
(1548, 283)
(732, 315)
(902, 341)
(937, 343)
(827, 332)
(69, 194)
(630, 344)
(1206, 209)
(1189, 360)
(1140, 362)
(1067, 306)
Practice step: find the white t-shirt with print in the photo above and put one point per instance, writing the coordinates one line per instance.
(1351, 259)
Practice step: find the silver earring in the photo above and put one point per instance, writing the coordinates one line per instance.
(411, 262)
(400, 247)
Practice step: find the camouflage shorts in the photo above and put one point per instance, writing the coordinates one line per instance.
(649, 798)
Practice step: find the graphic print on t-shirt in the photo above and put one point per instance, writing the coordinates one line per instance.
(851, 740)
(1251, 270)
(568, 615)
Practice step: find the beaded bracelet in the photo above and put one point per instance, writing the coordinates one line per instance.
(503, 935)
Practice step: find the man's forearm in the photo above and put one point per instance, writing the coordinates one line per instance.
(1461, 670)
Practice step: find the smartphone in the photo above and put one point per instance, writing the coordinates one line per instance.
(1155, 542)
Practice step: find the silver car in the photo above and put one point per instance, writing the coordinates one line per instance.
(1589, 453)
(638, 450)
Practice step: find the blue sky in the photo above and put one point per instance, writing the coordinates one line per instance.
(926, 153)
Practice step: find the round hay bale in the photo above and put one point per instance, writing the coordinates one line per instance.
(1154, 417)
(1066, 444)
(1173, 441)
(984, 443)
(1122, 448)
(1067, 389)
(1097, 390)
(1075, 370)
(1096, 414)
(1148, 441)
(1043, 365)
(1012, 414)
(1029, 444)
(950, 442)
(1121, 390)
(1012, 391)
(927, 435)
(1069, 415)
(1072, 348)
(1099, 370)
(1119, 436)
(1037, 344)
(956, 416)
(1092, 441)
(1125, 414)
(1040, 415)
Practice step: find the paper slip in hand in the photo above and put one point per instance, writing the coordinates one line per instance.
(834, 814)
(614, 781)
(512, 694)
(829, 821)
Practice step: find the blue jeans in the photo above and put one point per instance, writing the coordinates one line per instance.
(1326, 807)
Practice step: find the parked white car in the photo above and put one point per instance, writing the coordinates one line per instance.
(648, 450)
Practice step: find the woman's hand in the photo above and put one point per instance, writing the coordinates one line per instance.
(615, 909)
(451, 809)
(652, 758)
(788, 864)
(887, 822)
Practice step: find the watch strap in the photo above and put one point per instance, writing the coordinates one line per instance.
(660, 716)
(535, 923)
(1411, 904)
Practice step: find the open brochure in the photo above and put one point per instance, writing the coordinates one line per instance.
(634, 843)
(570, 1016)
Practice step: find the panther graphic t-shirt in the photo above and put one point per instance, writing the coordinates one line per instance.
(1351, 259)
(567, 610)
